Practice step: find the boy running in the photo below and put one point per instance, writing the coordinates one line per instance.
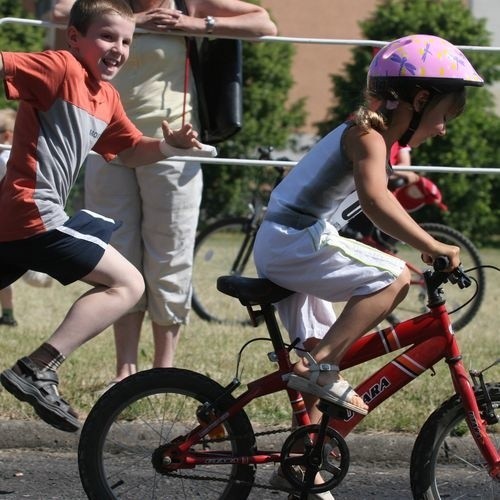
(68, 107)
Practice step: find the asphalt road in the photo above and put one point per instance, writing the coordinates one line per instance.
(40, 463)
(48, 475)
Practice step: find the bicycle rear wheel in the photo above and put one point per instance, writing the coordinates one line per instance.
(223, 248)
(445, 461)
(416, 300)
(127, 434)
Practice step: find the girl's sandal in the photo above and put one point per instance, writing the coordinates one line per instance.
(338, 391)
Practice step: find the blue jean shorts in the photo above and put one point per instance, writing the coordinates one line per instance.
(67, 253)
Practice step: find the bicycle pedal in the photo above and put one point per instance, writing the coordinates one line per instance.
(333, 410)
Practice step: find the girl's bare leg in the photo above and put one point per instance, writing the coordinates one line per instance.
(360, 315)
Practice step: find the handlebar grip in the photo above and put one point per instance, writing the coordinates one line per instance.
(441, 263)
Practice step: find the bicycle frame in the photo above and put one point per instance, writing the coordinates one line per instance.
(429, 338)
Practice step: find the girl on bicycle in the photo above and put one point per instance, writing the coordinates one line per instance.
(415, 86)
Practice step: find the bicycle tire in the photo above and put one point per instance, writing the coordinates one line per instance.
(223, 248)
(147, 410)
(416, 300)
(445, 461)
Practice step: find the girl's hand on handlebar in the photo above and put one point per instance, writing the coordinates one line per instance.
(452, 252)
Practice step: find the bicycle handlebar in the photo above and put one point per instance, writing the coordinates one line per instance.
(441, 263)
(434, 279)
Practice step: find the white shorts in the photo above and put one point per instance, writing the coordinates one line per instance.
(322, 267)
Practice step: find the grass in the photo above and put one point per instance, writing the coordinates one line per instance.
(212, 350)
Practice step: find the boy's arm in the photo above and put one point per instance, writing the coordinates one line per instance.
(181, 142)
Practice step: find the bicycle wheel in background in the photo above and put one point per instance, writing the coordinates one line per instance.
(445, 461)
(223, 248)
(124, 449)
(415, 301)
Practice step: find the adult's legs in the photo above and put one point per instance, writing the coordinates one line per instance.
(127, 332)
(113, 191)
(171, 196)
(166, 339)
(127, 335)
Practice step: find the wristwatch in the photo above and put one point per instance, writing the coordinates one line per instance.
(209, 24)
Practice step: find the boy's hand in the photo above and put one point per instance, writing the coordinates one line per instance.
(184, 137)
(184, 142)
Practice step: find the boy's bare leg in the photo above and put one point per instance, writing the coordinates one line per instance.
(118, 286)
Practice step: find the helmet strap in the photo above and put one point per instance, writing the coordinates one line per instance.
(414, 123)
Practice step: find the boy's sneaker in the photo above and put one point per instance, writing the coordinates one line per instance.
(38, 387)
(8, 321)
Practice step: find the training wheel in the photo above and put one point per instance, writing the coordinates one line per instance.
(331, 459)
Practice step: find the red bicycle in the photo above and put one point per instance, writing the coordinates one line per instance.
(174, 433)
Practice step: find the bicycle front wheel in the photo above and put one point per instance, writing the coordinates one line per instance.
(136, 425)
(446, 462)
(416, 300)
(223, 248)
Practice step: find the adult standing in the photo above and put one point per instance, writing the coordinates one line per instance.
(159, 205)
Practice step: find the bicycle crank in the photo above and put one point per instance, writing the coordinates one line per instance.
(311, 450)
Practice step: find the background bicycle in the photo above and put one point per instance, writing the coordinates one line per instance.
(225, 247)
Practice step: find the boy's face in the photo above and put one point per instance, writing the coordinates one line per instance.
(104, 49)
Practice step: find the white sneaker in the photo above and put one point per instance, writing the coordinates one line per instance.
(280, 483)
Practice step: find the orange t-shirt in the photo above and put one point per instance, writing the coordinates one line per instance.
(63, 115)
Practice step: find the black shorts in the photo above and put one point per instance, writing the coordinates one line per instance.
(67, 253)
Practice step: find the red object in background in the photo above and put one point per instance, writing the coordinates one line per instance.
(423, 192)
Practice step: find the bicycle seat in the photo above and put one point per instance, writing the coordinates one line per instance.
(252, 291)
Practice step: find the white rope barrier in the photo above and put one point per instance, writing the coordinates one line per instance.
(283, 39)
(320, 41)
(283, 163)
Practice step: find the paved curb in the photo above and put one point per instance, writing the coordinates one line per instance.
(363, 447)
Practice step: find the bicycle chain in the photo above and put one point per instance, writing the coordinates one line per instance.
(219, 440)
(255, 434)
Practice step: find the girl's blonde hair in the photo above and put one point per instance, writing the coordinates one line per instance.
(371, 116)
(376, 112)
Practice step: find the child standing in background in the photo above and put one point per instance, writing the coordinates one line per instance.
(7, 121)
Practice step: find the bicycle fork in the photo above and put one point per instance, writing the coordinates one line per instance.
(477, 414)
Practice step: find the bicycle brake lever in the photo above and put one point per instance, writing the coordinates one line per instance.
(458, 277)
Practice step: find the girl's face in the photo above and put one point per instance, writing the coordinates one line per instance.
(434, 120)
(104, 49)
